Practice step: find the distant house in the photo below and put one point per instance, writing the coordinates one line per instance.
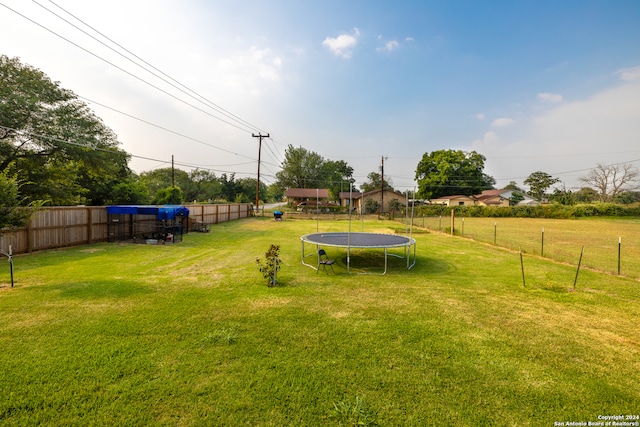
(486, 198)
(501, 198)
(380, 197)
(307, 196)
(353, 198)
(457, 200)
(493, 198)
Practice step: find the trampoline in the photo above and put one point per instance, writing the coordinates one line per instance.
(362, 241)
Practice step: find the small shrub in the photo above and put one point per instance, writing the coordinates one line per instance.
(271, 265)
(371, 206)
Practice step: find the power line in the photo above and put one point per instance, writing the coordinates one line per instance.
(211, 104)
(163, 128)
(274, 156)
(189, 92)
(111, 151)
(125, 71)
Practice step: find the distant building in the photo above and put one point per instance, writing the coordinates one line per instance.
(456, 200)
(306, 196)
(486, 198)
(502, 198)
(353, 198)
(381, 197)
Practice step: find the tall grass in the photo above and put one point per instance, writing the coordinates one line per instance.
(189, 334)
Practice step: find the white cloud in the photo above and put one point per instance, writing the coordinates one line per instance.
(389, 46)
(489, 137)
(249, 70)
(502, 122)
(480, 116)
(344, 44)
(629, 74)
(550, 97)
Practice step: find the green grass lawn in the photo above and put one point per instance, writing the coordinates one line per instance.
(189, 334)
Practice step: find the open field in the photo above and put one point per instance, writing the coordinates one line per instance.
(189, 334)
(563, 238)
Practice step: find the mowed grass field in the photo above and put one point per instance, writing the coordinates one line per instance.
(189, 334)
(558, 239)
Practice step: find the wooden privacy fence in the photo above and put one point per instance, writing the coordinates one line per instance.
(58, 227)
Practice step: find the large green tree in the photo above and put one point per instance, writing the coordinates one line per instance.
(338, 176)
(53, 141)
(246, 191)
(130, 192)
(205, 187)
(539, 182)
(171, 195)
(452, 172)
(374, 182)
(512, 185)
(275, 193)
(302, 168)
(163, 178)
(228, 187)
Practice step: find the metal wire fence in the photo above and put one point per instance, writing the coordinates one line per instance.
(610, 245)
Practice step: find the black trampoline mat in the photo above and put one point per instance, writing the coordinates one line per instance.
(358, 240)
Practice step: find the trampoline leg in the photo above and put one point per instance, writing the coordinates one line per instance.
(385, 262)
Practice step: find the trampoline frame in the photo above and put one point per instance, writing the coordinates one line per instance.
(344, 240)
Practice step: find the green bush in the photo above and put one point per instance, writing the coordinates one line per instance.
(371, 206)
(555, 211)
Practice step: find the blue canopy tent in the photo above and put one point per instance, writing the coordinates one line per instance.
(147, 224)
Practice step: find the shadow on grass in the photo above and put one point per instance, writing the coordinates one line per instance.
(373, 262)
(100, 289)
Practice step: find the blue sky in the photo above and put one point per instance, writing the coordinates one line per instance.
(532, 85)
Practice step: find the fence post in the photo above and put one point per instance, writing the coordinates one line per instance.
(542, 248)
(28, 236)
(522, 267)
(495, 232)
(578, 270)
(453, 222)
(619, 251)
(89, 225)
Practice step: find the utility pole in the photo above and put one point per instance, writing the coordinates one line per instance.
(259, 136)
(173, 173)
